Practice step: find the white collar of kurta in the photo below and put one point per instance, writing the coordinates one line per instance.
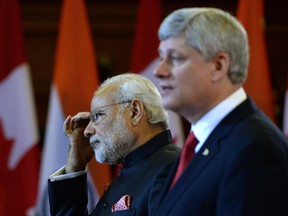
(204, 126)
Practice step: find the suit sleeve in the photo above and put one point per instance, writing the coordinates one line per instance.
(68, 197)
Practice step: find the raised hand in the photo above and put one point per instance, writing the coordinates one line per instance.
(80, 150)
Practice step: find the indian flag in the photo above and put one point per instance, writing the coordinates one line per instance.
(75, 80)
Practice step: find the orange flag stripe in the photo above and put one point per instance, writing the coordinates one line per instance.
(75, 70)
(258, 84)
(76, 75)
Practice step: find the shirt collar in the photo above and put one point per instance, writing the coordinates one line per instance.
(204, 126)
(139, 154)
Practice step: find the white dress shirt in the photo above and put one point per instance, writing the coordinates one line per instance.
(204, 126)
(61, 175)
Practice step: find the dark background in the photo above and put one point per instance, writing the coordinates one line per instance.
(113, 24)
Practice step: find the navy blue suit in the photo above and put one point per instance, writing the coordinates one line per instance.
(245, 172)
(140, 168)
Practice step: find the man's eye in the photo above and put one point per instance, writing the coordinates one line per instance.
(175, 58)
(96, 117)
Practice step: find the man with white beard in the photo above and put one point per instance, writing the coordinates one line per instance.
(127, 124)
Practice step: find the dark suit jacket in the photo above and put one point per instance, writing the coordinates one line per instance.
(245, 172)
(140, 168)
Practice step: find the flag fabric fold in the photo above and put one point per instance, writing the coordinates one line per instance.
(145, 55)
(19, 136)
(74, 82)
(258, 84)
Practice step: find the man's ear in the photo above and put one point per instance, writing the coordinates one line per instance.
(137, 109)
(221, 63)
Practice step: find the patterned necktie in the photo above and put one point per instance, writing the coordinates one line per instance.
(186, 155)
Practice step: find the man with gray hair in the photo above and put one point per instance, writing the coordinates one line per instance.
(240, 158)
(127, 124)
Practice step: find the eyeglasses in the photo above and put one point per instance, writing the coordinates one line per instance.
(97, 115)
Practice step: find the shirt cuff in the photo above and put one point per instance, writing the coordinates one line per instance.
(61, 175)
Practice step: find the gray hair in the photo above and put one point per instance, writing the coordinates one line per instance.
(131, 86)
(211, 31)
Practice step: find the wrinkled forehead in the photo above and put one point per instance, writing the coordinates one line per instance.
(102, 98)
(174, 43)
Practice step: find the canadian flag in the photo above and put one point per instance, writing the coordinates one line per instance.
(145, 55)
(75, 80)
(258, 83)
(19, 137)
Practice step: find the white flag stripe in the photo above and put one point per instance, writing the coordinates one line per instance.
(55, 154)
(56, 143)
(16, 99)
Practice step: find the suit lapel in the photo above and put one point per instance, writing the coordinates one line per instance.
(206, 154)
(193, 170)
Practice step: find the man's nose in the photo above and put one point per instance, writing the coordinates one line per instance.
(89, 130)
(161, 70)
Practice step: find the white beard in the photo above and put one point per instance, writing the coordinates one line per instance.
(117, 143)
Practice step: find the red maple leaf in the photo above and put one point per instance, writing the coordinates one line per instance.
(18, 186)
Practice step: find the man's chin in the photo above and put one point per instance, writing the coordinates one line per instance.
(169, 105)
(104, 160)
(99, 160)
